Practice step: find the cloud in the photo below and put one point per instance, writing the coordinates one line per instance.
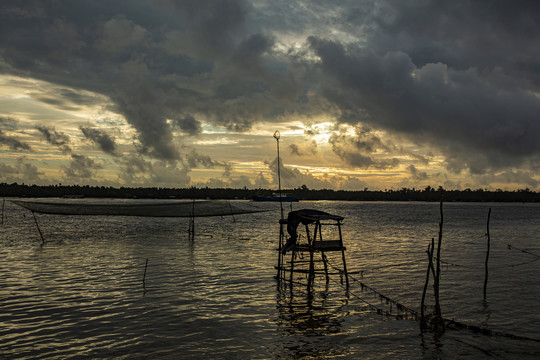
(12, 142)
(9, 140)
(459, 79)
(188, 124)
(81, 168)
(168, 175)
(195, 160)
(362, 150)
(417, 175)
(101, 138)
(179, 60)
(55, 138)
(293, 178)
(352, 184)
(22, 170)
(241, 182)
(133, 169)
(508, 177)
(137, 171)
(120, 34)
(441, 76)
(261, 182)
(152, 62)
(309, 148)
(8, 122)
(65, 99)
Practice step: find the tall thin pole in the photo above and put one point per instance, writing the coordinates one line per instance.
(487, 255)
(277, 136)
(436, 281)
(192, 223)
(144, 275)
(39, 230)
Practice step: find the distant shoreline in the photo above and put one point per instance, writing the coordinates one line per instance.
(428, 194)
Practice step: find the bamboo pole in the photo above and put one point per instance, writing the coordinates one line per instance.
(280, 255)
(487, 255)
(39, 230)
(144, 275)
(436, 282)
(230, 208)
(429, 269)
(3, 204)
(191, 230)
(343, 254)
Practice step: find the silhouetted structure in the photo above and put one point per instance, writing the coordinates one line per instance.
(309, 242)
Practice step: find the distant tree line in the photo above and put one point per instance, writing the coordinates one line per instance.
(301, 193)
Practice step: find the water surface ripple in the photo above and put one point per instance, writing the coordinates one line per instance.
(81, 294)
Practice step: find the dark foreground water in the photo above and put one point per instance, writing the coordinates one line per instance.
(81, 294)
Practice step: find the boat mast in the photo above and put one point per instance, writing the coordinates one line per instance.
(277, 136)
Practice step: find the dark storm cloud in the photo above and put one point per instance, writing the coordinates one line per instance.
(154, 60)
(101, 138)
(460, 76)
(188, 124)
(55, 138)
(462, 34)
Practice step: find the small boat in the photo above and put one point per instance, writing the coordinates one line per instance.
(275, 197)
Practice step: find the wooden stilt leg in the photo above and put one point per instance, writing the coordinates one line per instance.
(280, 255)
(323, 255)
(293, 255)
(343, 256)
(311, 275)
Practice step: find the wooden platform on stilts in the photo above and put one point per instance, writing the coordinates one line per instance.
(299, 246)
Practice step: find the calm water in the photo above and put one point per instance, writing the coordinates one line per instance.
(81, 294)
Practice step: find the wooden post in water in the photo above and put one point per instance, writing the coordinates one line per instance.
(39, 230)
(343, 254)
(230, 208)
(429, 269)
(144, 275)
(3, 203)
(438, 315)
(191, 231)
(487, 255)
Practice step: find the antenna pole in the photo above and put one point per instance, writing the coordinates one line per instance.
(277, 136)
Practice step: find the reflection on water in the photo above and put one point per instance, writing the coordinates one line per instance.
(81, 294)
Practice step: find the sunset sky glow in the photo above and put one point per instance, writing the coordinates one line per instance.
(365, 93)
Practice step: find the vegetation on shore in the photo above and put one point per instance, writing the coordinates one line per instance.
(301, 193)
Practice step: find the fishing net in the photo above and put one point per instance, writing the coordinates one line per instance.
(163, 209)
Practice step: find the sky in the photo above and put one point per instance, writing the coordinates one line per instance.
(377, 94)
